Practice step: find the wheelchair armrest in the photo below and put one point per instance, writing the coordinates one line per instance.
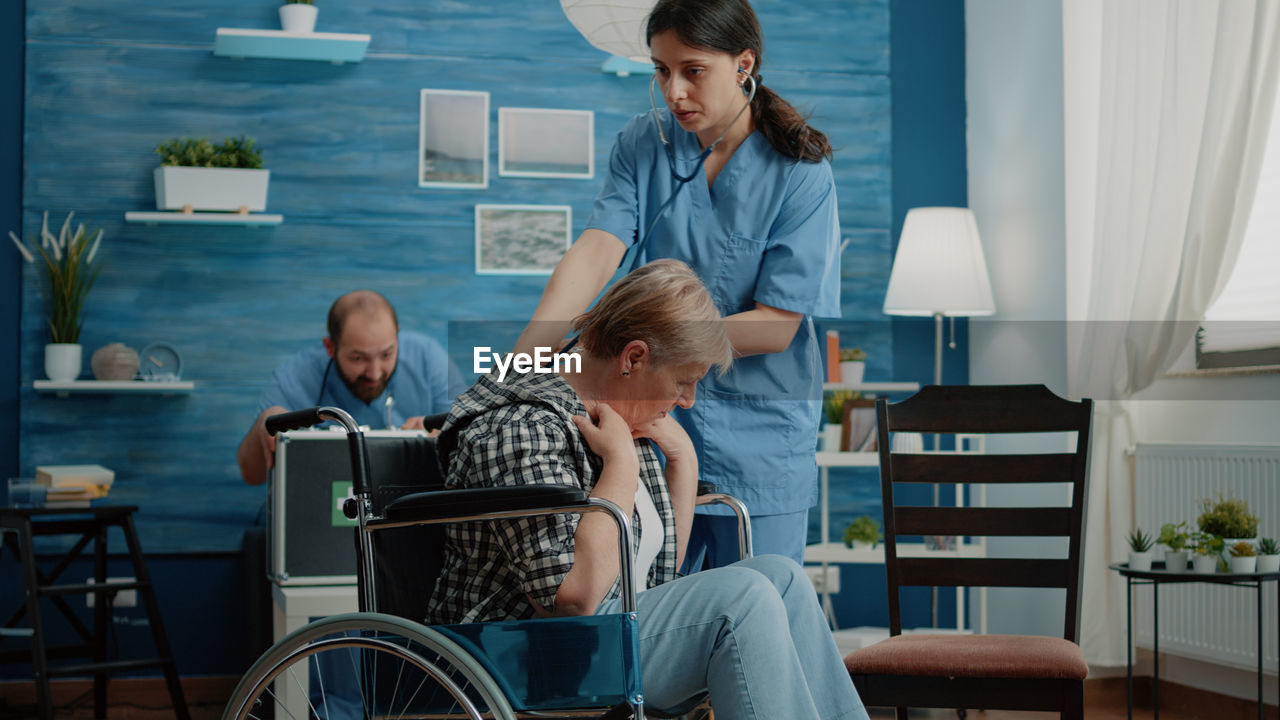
(439, 504)
(706, 488)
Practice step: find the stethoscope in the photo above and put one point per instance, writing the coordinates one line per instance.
(324, 383)
(681, 180)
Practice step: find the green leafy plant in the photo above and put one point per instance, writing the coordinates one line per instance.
(1268, 546)
(1243, 549)
(1206, 544)
(864, 528)
(852, 355)
(1175, 536)
(833, 404)
(1227, 517)
(237, 152)
(69, 272)
(299, 2)
(1139, 541)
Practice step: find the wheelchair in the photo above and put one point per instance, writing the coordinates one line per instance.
(382, 663)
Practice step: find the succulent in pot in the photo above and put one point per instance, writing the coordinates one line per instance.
(1268, 555)
(1244, 558)
(1140, 545)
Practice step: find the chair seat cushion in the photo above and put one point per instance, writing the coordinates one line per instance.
(950, 655)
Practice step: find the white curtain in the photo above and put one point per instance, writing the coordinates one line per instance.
(1183, 92)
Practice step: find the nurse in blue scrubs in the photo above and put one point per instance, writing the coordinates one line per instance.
(744, 194)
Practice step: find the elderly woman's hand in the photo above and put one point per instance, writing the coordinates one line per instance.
(669, 436)
(607, 435)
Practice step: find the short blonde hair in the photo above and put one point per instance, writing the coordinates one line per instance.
(665, 305)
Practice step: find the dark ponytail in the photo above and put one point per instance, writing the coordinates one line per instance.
(731, 26)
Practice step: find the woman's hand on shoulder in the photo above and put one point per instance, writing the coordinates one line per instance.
(669, 436)
(607, 434)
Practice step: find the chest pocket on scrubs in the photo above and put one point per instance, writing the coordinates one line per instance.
(735, 429)
(734, 285)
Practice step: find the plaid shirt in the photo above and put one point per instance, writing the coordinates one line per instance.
(520, 432)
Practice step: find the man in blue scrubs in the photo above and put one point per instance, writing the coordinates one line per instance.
(385, 377)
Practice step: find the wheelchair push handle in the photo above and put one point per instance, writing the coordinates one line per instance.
(307, 418)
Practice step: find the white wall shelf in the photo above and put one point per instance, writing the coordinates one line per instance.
(100, 387)
(160, 217)
(278, 44)
(874, 387)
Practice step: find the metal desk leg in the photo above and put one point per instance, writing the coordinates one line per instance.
(1259, 604)
(1155, 649)
(1128, 648)
(101, 621)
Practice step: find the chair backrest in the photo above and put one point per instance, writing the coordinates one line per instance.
(986, 410)
(406, 560)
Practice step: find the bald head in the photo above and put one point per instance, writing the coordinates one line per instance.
(363, 305)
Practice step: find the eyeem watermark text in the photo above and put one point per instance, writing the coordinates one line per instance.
(542, 361)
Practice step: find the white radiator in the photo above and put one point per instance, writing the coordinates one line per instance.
(1215, 623)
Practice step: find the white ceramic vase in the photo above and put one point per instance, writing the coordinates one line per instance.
(830, 436)
(1175, 561)
(1268, 563)
(1140, 560)
(851, 371)
(62, 361)
(1205, 564)
(1246, 564)
(298, 17)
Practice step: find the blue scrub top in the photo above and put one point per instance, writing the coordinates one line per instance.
(424, 383)
(767, 231)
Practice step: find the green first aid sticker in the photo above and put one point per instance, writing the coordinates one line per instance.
(341, 491)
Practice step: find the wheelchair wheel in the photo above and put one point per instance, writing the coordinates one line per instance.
(363, 666)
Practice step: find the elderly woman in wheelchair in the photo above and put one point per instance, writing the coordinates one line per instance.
(546, 564)
(751, 634)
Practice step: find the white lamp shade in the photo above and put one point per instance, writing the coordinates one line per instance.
(614, 26)
(939, 267)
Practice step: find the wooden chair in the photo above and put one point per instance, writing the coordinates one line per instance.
(949, 670)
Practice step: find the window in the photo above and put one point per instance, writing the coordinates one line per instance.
(1242, 327)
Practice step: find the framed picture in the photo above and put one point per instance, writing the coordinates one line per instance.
(521, 239)
(535, 142)
(453, 139)
(859, 425)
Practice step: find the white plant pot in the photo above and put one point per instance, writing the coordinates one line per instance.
(178, 188)
(1175, 561)
(298, 17)
(62, 361)
(830, 436)
(1140, 560)
(851, 371)
(1205, 564)
(1243, 564)
(1268, 563)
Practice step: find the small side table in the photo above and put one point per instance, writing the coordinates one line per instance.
(91, 524)
(1159, 575)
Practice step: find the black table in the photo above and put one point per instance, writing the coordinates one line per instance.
(1157, 576)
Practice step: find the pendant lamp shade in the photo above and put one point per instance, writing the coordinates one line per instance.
(614, 26)
(939, 268)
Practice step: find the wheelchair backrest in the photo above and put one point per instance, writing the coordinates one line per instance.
(407, 560)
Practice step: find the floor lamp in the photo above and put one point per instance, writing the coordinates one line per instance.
(939, 270)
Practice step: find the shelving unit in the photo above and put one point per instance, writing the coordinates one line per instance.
(103, 387)
(160, 217)
(337, 48)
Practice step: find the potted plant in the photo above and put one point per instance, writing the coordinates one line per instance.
(69, 272)
(864, 529)
(833, 412)
(853, 365)
(1139, 550)
(1207, 550)
(1244, 558)
(195, 174)
(298, 16)
(1268, 555)
(1174, 537)
(1227, 518)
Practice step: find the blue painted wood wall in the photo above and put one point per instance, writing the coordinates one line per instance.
(106, 81)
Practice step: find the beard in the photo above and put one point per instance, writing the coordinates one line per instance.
(364, 387)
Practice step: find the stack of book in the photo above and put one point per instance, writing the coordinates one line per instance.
(73, 486)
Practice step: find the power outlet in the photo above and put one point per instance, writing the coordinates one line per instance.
(824, 582)
(124, 598)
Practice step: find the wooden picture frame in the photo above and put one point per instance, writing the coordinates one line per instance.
(859, 421)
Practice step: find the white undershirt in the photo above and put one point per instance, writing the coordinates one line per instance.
(651, 536)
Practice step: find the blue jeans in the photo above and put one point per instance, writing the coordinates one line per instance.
(751, 635)
(714, 538)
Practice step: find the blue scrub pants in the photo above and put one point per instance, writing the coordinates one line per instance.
(713, 541)
(752, 635)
